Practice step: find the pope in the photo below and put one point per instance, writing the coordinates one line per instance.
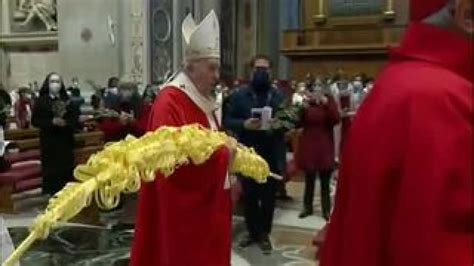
(185, 219)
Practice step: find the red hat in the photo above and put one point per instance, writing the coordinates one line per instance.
(420, 9)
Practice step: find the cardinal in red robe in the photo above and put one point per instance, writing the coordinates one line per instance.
(405, 193)
(185, 219)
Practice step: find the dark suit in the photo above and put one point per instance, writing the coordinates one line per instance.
(270, 144)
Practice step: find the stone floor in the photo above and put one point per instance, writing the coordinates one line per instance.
(82, 245)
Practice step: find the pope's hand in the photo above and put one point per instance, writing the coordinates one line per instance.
(231, 144)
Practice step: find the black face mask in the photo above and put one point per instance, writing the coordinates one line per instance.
(261, 79)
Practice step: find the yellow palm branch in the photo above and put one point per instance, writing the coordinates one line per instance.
(122, 166)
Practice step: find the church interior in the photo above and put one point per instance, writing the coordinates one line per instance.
(100, 52)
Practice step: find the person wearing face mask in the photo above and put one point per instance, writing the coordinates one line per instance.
(74, 93)
(111, 95)
(299, 96)
(242, 120)
(128, 109)
(316, 146)
(405, 189)
(357, 91)
(57, 120)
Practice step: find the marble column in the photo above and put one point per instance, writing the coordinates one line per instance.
(4, 67)
(246, 35)
(4, 17)
(268, 32)
(4, 29)
(181, 8)
(146, 42)
(132, 50)
(177, 41)
(206, 6)
(162, 34)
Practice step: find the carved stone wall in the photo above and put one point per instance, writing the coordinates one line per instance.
(96, 39)
(27, 54)
(138, 62)
(161, 38)
(89, 41)
(247, 35)
(26, 67)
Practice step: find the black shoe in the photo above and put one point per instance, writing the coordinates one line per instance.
(266, 246)
(246, 242)
(305, 213)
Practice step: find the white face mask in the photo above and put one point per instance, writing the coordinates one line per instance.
(114, 91)
(301, 89)
(54, 88)
(54, 84)
(357, 84)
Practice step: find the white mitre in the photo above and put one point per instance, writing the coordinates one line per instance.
(203, 40)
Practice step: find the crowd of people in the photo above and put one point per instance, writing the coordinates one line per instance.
(323, 103)
(59, 112)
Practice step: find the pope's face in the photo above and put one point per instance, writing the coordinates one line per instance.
(205, 74)
(464, 16)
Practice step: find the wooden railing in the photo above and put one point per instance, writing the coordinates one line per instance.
(341, 40)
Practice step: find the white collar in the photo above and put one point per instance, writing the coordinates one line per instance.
(184, 83)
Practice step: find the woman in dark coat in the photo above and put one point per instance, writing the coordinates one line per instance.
(57, 120)
(316, 148)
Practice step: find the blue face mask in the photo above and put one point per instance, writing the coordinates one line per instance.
(261, 79)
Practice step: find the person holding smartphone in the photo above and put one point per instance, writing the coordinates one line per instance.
(316, 146)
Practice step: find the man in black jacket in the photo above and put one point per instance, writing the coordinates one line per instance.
(244, 119)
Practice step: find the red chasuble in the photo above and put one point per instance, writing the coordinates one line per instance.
(405, 195)
(184, 219)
